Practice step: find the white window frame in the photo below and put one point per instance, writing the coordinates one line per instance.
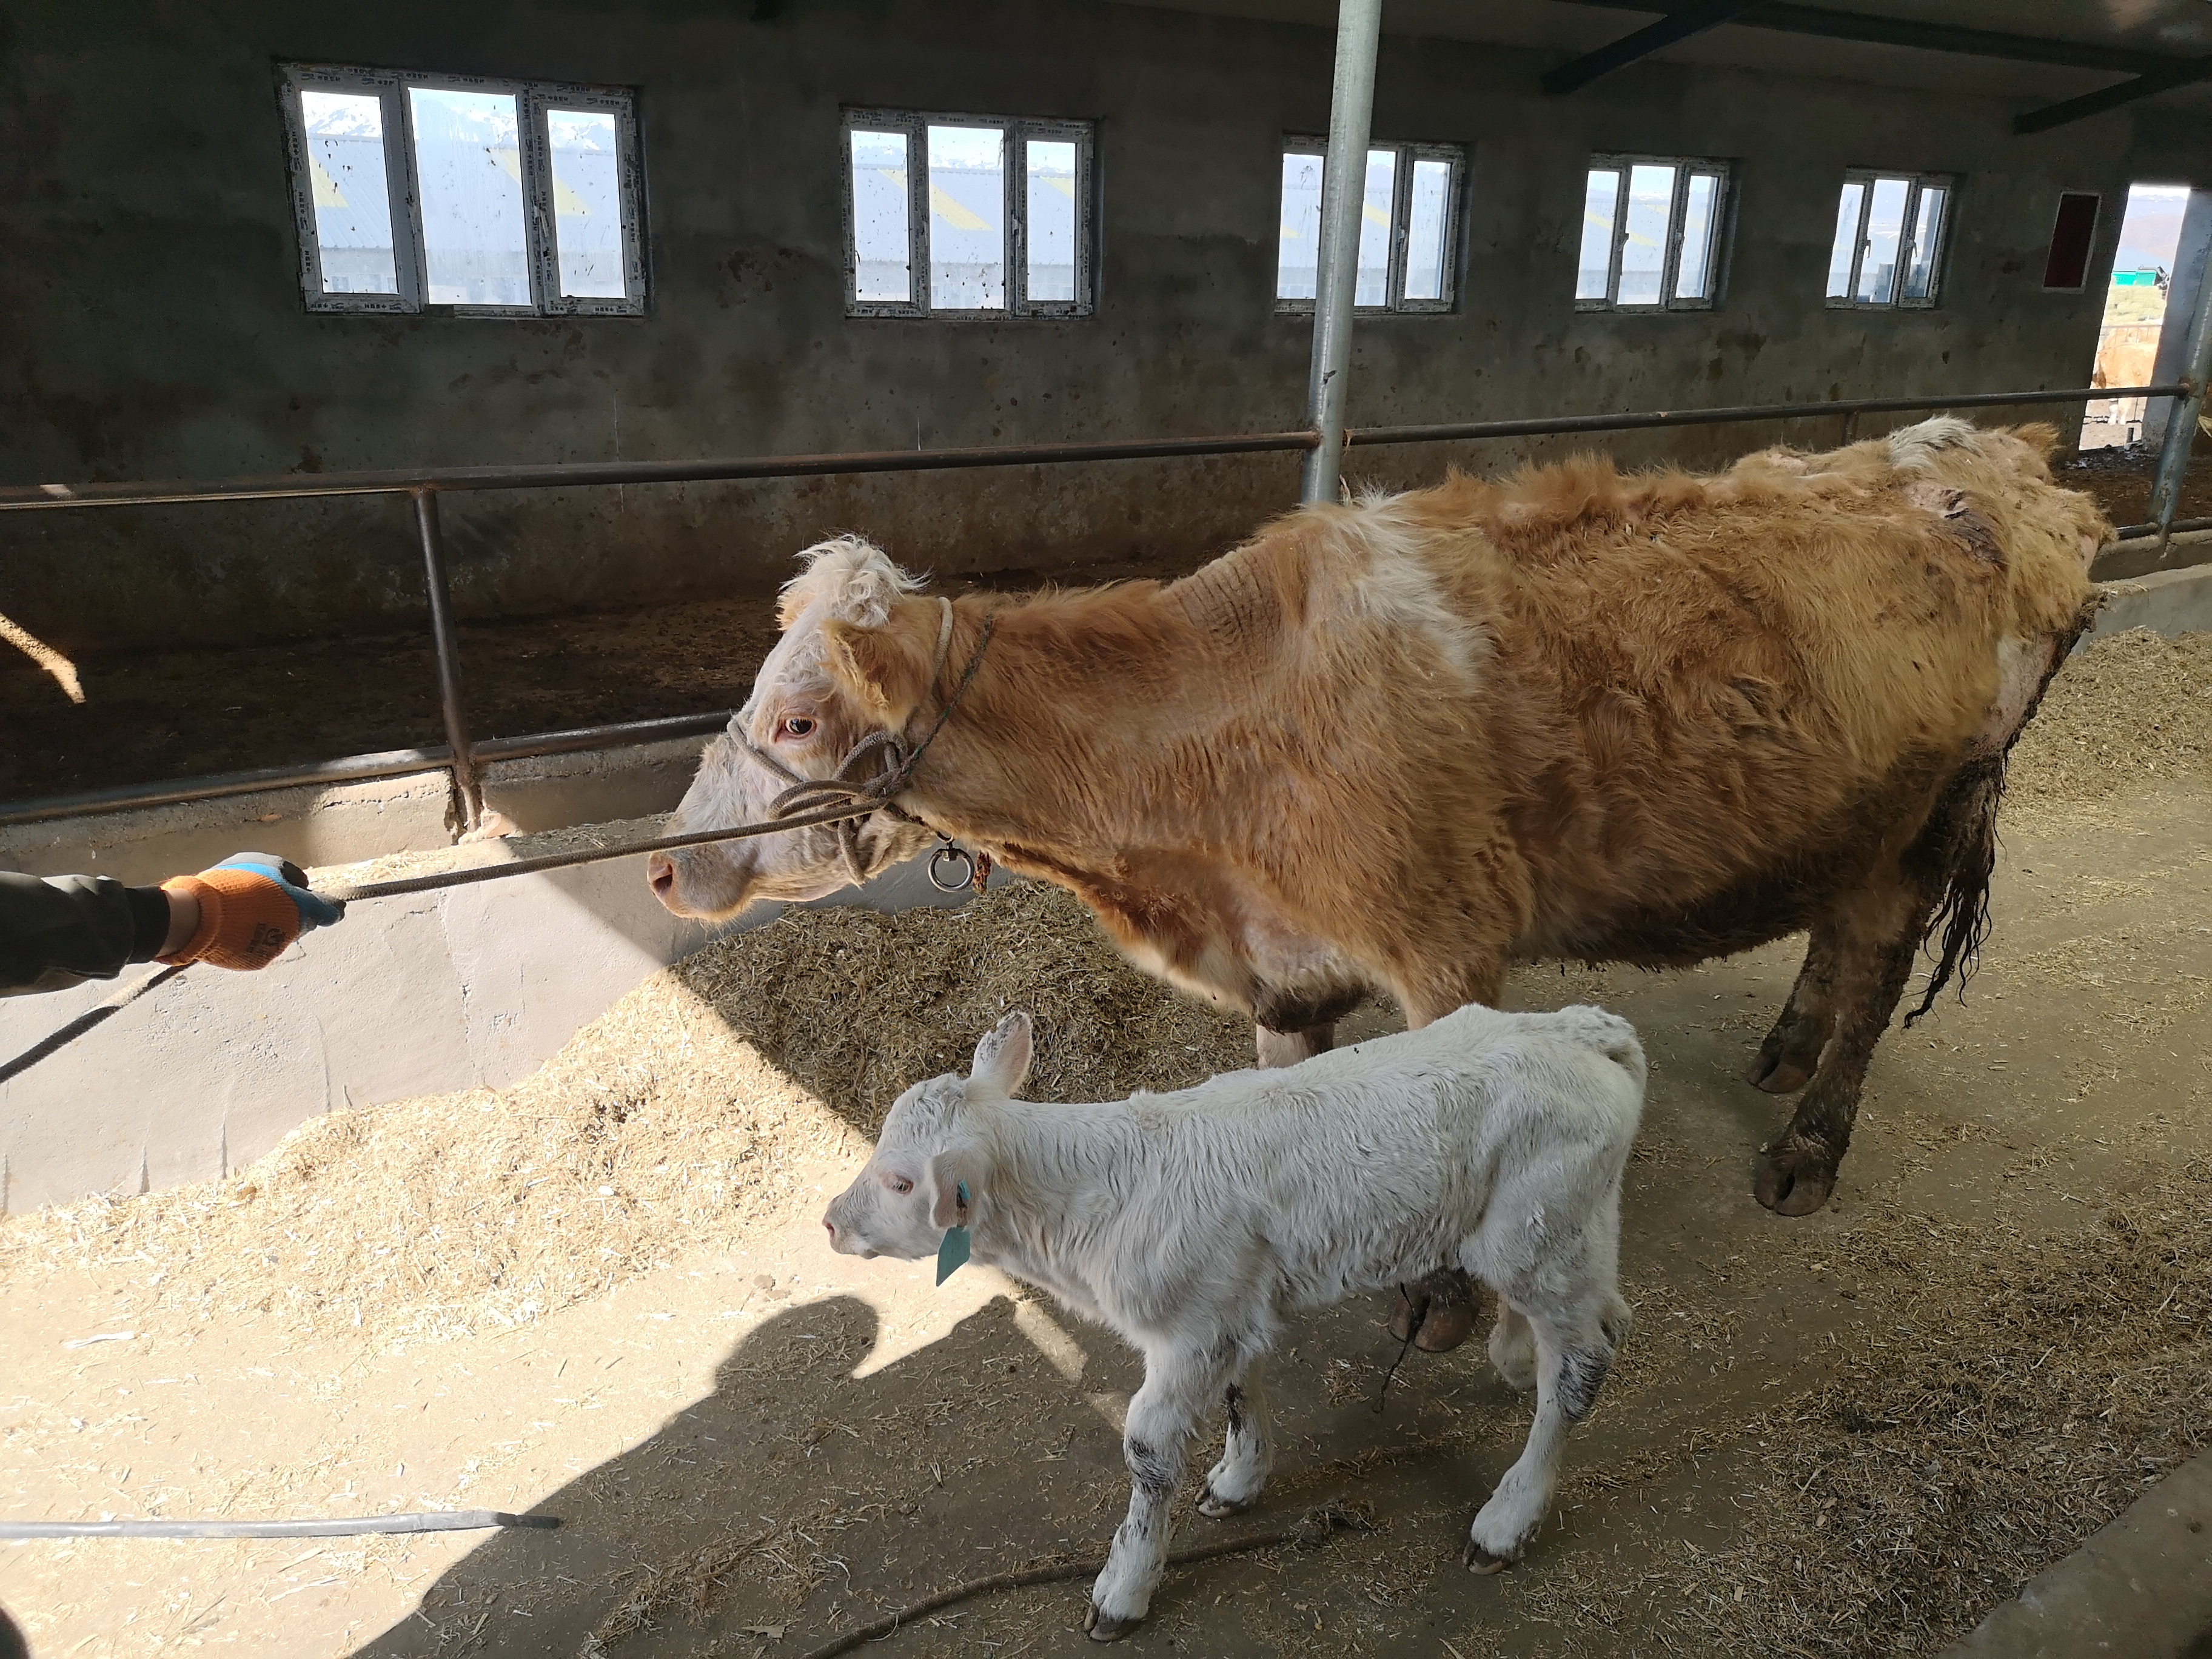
(1719, 231)
(1915, 183)
(1394, 301)
(533, 100)
(1015, 130)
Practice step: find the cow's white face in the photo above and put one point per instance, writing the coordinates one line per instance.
(911, 1191)
(806, 712)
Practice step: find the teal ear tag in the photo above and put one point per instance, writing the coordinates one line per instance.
(953, 1252)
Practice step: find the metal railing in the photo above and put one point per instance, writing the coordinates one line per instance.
(463, 756)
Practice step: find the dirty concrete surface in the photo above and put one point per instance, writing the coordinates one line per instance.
(753, 1449)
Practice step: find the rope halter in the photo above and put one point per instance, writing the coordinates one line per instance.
(851, 784)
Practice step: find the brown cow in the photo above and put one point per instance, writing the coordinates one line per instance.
(1651, 719)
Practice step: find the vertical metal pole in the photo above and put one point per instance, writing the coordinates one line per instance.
(1343, 188)
(449, 660)
(2181, 418)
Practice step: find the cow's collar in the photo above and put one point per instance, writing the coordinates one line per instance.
(898, 762)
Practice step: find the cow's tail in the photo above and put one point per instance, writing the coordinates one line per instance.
(1958, 850)
(1960, 842)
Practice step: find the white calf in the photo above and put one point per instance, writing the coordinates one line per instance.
(1192, 1222)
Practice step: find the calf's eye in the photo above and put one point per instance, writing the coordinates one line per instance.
(797, 726)
(900, 1184)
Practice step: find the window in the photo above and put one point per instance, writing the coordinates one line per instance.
(967, 216)
(1890, 232)
(2072, 232)
(1409, 227)
(1651, 234)
(485, 198)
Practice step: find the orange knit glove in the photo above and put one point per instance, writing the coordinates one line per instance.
(251, 908)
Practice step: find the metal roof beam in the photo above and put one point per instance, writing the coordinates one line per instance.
(1678, 24)
(1832, 25)
(2178, 74)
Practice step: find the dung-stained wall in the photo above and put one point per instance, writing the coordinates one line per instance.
(152, 327)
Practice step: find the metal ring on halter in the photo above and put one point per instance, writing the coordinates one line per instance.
(947, 852)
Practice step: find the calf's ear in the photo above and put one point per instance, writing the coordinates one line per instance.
(887, 668)
(1002, 1058)
(953, 1170)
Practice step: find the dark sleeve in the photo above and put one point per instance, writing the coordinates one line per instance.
(61, 931)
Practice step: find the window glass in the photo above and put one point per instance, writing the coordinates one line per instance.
(1428, 225)
(352, 200)
(1297, 259)
(1847, 237)
(468, 168)
(1927, 236)
(587, 227)
(1375, 225)
(1694, 273)
(1643, 246)
(1885, 230)
(967, 219)
(1051, 252)
(882, 249)
(1594, 275)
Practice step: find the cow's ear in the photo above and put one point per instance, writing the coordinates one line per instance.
(1002, 1058)
(887, 668)
(956, 1186)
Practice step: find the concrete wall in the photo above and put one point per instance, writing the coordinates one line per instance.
(152, 326)
(471, 986)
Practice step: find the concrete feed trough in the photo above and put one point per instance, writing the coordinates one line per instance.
(600, 1291)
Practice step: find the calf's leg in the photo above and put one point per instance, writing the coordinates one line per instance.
(1513, 1346)
(1178, 1385)
(1574, 1346)
(1440, 1310)
(1234, 1484)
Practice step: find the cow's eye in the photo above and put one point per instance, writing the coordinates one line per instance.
(796, 725)
(900, 1184)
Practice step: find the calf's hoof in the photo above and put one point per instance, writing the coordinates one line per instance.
(1475, 1559)
(1792, 1178)
(1437, 1312)
(1101, 1628)
(1212, 1505)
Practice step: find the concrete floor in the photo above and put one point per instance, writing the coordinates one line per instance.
(753, 1450)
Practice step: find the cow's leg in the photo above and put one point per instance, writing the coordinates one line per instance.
(1792, 1053)
(1945, 869)
(1234, 1484)
(1279, 1048)
(1575, 1341)
(1179, 1384)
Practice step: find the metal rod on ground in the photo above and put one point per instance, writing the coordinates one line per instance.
(448, 1520)
(1343, 193)
(449, 659)
(2181, 419)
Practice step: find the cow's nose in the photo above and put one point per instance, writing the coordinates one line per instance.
(660, 871)
(831, 1227)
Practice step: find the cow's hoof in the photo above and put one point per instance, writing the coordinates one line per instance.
(1219, 1508)
(1100, 1628)
(1475, 1559)
(1779, 1074)
(1794, 1180)
(1439, 1313)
